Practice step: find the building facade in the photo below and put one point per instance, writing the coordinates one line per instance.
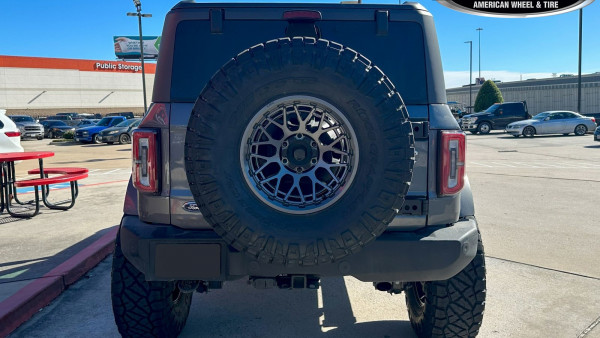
(45, 86)
(558, 93)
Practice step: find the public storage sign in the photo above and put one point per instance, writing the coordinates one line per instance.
(128, 47)
(515, 8)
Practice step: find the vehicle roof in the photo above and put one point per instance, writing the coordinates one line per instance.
(192, 4)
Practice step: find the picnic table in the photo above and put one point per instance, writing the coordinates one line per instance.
(9, 182)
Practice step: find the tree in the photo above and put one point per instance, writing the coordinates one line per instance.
(488, 95)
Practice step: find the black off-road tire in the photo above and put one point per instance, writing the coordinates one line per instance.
(449, 308)
(145, 309)
(286, 68)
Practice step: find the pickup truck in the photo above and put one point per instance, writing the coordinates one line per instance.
(497, 116)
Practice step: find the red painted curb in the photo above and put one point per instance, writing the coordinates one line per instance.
(19, 307)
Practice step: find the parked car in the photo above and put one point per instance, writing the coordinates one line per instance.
(10, 136)
(120, 133)
(86, 123)
(68, 119)
(55, 128)
(497, 116)
(72, 115)
(92, 133)
(128, 114)
(553, 122)
(28, 127)
(597, 134)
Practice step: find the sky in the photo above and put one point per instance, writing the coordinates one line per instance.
(511, 48)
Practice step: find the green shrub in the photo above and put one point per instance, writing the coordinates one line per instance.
(69, 135)
(487, 96)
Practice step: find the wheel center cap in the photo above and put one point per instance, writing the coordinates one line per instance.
(299, 154)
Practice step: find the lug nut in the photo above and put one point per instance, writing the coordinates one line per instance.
(284, 160)
(314, 160)
(299, 136)
(313, 144)
(299, 170)
(285, 144)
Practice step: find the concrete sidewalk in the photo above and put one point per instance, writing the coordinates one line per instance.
(43, 255)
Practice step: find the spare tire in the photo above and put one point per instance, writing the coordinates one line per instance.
(299, 151)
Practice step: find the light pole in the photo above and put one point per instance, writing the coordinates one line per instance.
(479, 45)
(579, 73)
(470, 73)
(138, 7)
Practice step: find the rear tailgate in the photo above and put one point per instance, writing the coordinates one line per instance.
(242, 27)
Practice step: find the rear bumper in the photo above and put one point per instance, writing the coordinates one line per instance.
(165, 252)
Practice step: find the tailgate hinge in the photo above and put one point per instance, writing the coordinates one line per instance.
(382, 22)
(420, 129)
(415, 207)
(216, 21)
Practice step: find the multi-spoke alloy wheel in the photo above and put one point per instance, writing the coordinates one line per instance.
(299, 154)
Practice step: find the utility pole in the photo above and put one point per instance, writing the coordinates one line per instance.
(470, 74)
(479, 45)
(138, 7)
(579, 75)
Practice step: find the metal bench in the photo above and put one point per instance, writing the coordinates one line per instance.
(44, 183)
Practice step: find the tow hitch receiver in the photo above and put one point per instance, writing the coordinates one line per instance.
(286, 282)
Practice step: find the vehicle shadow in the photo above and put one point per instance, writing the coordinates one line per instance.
(13, 272)
(238, 310)
(597, 146)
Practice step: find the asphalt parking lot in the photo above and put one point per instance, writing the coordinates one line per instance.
(535, 203)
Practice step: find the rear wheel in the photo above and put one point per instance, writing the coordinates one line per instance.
(452, 307)
(580, 130)
(145, 309)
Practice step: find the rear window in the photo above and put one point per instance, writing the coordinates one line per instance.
(199, 54)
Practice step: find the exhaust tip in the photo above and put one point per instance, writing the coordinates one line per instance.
(383, 286)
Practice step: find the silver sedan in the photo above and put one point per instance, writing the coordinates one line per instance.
(553, 122)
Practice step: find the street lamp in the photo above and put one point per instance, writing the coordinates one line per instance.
(470, 73)
(479, 44)
(579, 66)
(138, 7)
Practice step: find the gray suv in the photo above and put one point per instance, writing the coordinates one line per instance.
(288, 142)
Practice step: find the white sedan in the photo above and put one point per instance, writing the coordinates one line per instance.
(10, 135)
(553, 122)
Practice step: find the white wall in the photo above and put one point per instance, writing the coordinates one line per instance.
(67, 88)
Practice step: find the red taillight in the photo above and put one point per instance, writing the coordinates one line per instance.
(452, 162)
(145, 154)
(13, 134)
(593, 119)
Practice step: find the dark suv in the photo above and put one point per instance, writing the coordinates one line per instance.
(287, 142)
(497, 116)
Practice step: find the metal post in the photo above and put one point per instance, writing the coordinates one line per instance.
(479, 45)
(579, 75)
(139, 10)
(470, 75)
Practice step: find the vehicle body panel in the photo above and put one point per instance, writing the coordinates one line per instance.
(8, 144)
(552, 122)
